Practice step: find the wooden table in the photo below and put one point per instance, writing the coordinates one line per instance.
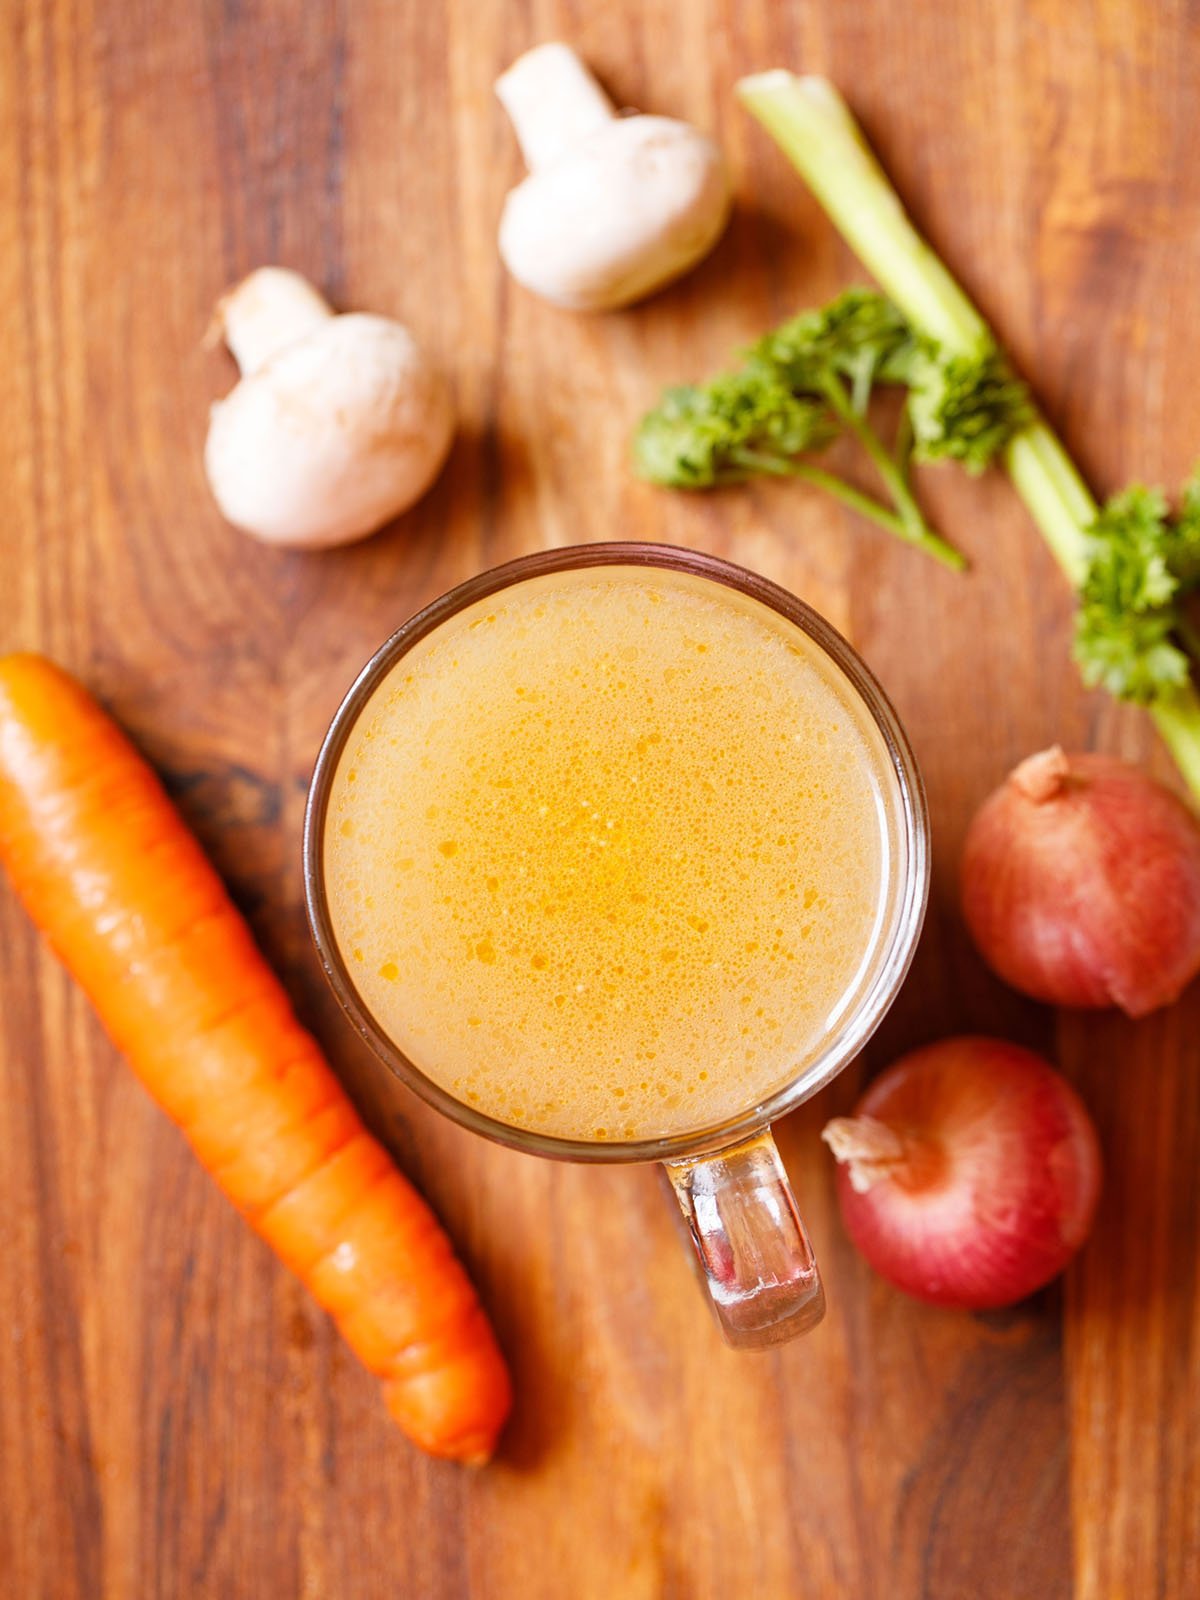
(176, 1418)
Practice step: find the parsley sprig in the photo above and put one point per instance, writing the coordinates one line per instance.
(809, 382)
(1133, 634)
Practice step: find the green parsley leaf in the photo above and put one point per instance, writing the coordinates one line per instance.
(859, 336)
(721, 432)
(1127, 612)
(965, 408)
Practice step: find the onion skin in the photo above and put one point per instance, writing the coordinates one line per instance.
(969, 1173)
(1081, 884)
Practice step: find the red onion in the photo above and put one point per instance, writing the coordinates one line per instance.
(970, 1173)
(1081, 884)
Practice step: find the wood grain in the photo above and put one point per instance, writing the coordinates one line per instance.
(175, 1418)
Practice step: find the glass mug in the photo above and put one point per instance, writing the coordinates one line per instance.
(732, 1190)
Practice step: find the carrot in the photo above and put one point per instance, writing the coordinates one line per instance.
(126, 897)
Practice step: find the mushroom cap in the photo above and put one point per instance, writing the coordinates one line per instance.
(628, 208)
(336, 434)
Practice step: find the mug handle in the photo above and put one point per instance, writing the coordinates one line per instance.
(754, 1254)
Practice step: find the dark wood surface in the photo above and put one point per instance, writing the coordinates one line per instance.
(176, 1419)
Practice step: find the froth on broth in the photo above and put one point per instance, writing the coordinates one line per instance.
(605, 853)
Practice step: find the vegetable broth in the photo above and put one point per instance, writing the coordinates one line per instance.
(606, 853)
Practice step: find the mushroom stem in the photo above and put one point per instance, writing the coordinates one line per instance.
(552, 101)
(265, 313)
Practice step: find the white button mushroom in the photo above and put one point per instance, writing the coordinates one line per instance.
(613, 207)
(338, 424)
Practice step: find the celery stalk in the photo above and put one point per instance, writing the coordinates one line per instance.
(1177, 718)
(1055, 495)
(812, 124)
